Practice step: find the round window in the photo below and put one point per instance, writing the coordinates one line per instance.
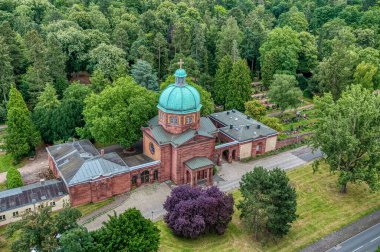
(151, 148)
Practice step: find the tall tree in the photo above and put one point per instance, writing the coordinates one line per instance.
(294, 19)
(161, 54)
(229, 33)
(277, 56)
(285, 92)
(221, 80)
(37, 74)
(56, 60)
(118, 112)
(109, 59)
(128, 231)
(269, 202)
(348, 132)
(22, 136)
(144, 75)
(6, 70)
(44, 111)
(239, 86)
(199, 50)
(308, 55)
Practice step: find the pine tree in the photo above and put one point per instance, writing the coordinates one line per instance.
(6, 69)
(56, 60)
(239, 86)
(144, 75)
(22, 136)
(221, 80)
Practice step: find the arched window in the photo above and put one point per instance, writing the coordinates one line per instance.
(189, 119)
(134, 179)
(173, 120)
(151, 148)
(144, 176)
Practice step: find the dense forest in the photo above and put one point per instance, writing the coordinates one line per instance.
(92, 68)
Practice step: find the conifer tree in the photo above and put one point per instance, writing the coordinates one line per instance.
(22, 136)
(161, 54)
(199, 49)
(144, 75)
(221, 80)
(239, 86)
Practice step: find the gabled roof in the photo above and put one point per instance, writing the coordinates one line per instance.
(198, 162)
(241, 127)
(206, 129)
(80, 161)
(31, 194)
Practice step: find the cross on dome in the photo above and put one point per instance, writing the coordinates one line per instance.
(180, 63)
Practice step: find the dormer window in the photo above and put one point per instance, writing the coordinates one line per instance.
(173, 120)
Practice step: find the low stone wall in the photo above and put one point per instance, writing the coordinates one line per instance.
(292, 140)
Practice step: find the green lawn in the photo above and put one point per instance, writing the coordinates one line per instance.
(91, 207)
(6, 162)
(321, 209)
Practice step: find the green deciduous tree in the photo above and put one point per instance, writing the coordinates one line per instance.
(364, 75)
(277, 56)
(239, 86)
(255, 109)
(285, 92)
(6, 70)
(308, 55)
(269, 202)
(294, 19)
(129, 231)
(14, 178)
(144, 75)
(77, 240)
(348, 132)
(22, 136)
(44, 111)
(109, 59)
(118, 112)
(272, 122)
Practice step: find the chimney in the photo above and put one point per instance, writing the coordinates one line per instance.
(233, 111)
(258, 126)
(248, 117)
(42, 181)
(247, 126)
(102, 152)
(231, 126)
(228, 112)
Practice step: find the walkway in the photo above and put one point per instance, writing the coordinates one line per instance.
(149, 199)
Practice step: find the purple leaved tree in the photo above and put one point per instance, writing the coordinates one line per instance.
(193, 211)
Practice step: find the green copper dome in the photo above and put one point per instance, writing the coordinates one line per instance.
(180, 98)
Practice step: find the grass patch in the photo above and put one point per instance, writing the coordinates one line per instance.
(321, 209)
(6, 163)
(91, 207)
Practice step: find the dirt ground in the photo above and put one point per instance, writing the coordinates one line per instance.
(33, 170)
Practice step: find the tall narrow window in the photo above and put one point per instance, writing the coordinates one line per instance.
(189, 119)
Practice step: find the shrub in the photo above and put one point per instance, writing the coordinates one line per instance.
(193, 211)
(129, 231)
(14, 178)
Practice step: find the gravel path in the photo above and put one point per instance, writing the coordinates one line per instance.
(345, 233)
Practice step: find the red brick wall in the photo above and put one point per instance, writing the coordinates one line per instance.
(292, 140)
(181, 126)
(200, 147)
(53, 167)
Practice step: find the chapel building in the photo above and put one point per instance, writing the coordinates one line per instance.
(178, 145)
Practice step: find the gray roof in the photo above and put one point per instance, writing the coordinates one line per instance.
(240, 126)
(198, 162)
(207, 128)
(80, 161)
(31, 194)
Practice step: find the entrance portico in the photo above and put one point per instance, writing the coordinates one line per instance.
(199, 169)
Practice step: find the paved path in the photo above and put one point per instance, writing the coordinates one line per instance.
(366, 241)
(149, 199)
(361, 235)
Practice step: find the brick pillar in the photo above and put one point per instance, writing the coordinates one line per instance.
(192, 178)
(185, 177)
(210, 171)
(253, 150)
(138, 180)
(151, 176)
(219, 162)
(229, 156)
(196, 178)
